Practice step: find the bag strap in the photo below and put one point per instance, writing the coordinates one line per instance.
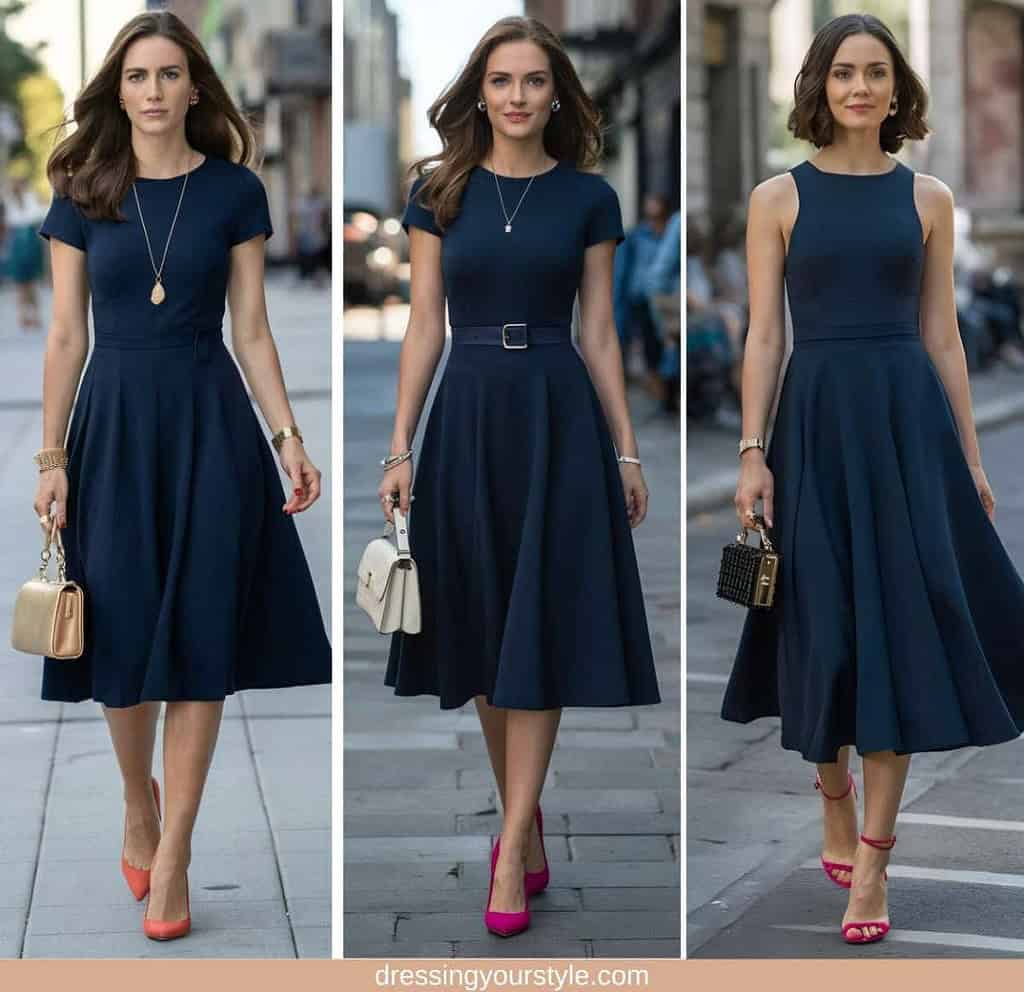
(401, 528)
(52, 536)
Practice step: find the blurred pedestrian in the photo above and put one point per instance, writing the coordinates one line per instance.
(661, 286)
(506, 227)
(311, 217)
(195, 582)
(23, 212)
(633, 260)
(898, 617)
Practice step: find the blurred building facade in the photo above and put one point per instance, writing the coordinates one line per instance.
(728, 105)
(275, 58)
(377, 139)
(627, 55)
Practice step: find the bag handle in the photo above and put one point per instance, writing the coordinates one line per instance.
(400, 528)
(53, 537)
(758, 525)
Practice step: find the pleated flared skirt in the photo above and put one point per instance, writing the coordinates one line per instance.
(899, 617)
(196, 584)
(529, 583)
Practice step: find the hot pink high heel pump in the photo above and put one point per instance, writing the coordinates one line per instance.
(862, 925)
(537, 881)
(836, 866)
(503, 924)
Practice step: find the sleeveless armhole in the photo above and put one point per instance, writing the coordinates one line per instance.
(796, 218)
(913, 203)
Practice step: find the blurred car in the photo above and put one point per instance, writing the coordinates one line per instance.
(372, 257)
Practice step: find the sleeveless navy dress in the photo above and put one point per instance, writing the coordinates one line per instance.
(529, 583)
(195, 582)
(899, 618)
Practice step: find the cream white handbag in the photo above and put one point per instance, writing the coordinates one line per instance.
(387, 585)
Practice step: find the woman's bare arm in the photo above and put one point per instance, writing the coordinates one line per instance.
(940, 331)
(257, 355)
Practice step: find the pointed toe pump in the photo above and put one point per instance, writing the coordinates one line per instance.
(138, 878)
(168, 929)
(832, 868)
(537, 881)
(503, 924)
(882, 926)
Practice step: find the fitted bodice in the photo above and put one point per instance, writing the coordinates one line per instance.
(855, 257)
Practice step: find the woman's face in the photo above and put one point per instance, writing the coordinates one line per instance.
(155, 85)
(518, 88)
(860, 83)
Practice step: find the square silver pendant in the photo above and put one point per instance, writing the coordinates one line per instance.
(508, 228)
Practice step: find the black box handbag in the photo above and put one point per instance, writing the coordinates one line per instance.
(747, 574)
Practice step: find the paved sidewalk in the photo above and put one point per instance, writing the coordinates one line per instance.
(420, 805)
(260, 875)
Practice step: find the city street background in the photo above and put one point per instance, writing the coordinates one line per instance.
(260, 874)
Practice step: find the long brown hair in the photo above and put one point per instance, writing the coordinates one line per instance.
(95, 164)
(573, 134)
(810, 118)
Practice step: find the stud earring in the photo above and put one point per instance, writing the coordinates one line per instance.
(893, 107)
(194, 99)
(556, 105)
(481, 106)
(120, 101)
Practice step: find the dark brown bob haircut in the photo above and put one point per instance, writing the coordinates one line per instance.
(811, 120)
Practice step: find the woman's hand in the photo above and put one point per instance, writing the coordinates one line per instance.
(396, 480)
(636, 492)
(304, 474)
(755, 482)
(984, 490)
(52, 494)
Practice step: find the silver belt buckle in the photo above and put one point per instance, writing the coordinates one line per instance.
(504, 338)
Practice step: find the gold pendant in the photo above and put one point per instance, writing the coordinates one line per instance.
(158, 295)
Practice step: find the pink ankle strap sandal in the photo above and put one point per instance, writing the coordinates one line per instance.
(862, 925)
(832, 867)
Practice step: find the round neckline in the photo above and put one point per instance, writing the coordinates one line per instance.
(856, 175)
(538, 175)
(170, 179)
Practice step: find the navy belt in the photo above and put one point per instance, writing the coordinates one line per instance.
(513, 337)
(200, 339)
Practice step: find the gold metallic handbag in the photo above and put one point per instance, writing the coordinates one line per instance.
(387, 583)
(747, 574)
(49, 616)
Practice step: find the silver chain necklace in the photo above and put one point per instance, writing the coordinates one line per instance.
(501, 200)
(158, 294)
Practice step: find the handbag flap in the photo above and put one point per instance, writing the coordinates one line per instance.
(377, 566)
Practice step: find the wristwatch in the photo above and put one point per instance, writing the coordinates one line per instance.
(751, 442)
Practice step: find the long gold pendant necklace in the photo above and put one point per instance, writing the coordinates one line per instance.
(158, 294)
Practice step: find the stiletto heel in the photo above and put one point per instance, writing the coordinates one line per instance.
(837, 866)
(882, 925)
(138, 878)
(537, 881)
(503, 924)
(168, 929)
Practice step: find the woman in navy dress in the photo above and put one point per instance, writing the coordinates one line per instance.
(521, 524)
(167, 493)
(898, 621)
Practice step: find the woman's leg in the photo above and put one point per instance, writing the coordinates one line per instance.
(885, 774)
(529, 741)
(133, 732)
(839, 816)
(492, 722)
(190, 733)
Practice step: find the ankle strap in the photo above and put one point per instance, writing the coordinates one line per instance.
(882, 845)
(850, 784)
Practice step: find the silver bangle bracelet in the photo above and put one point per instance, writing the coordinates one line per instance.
(628, 460)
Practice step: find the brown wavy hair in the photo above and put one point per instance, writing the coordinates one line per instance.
(573, 134)
(811, 120)
(95, 164)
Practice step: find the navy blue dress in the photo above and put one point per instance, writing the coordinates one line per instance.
(195, 582)
(528, 577)
(899, 617)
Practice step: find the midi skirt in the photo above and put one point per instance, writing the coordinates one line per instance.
(529, 585)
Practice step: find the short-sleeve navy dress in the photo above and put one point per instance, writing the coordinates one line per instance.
(195, 582)
(529, 584)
